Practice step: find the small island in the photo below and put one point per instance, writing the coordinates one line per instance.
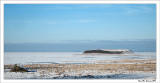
(110, 51)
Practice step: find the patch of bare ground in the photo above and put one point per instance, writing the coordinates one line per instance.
(130, 67)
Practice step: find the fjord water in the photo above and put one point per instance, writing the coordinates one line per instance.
(63, 57)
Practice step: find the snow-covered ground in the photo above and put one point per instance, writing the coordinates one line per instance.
(82, 75)
(63, 58)
(67, 57)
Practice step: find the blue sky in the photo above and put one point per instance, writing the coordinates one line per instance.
(79, 23)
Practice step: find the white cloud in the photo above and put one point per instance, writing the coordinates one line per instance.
(86, 20)
(137, 10)
(76, 21)
(78, 6)
(51, 22)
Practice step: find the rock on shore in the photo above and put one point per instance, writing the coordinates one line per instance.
(110, 51)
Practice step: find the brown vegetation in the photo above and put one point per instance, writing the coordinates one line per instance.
(62, 68)
(18, 69)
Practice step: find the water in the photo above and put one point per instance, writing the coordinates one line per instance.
(64, 57)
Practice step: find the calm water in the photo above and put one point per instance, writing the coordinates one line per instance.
(63, 57)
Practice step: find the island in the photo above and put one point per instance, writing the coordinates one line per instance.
(110, 51)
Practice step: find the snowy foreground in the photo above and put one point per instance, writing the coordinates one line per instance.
(104, 67)
(73, 75)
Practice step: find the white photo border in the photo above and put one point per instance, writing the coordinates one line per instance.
(80, 2)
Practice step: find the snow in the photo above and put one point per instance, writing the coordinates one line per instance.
(82, 75)
(23, 58)
(70, 57)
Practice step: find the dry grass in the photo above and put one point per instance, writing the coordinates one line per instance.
(131, 67)
(62, 68)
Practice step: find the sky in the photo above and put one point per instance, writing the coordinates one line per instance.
(77, 27)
